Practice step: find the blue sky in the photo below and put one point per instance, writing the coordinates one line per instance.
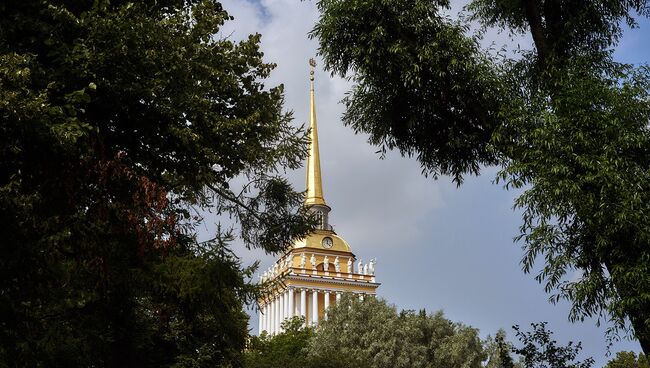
(438, 247)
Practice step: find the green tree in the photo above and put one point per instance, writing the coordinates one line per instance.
(498, 351)
(539, 350)
(119, 122)
(628, 359)
(373, 334)
(287, 349)
(422, 86)
(564, 120)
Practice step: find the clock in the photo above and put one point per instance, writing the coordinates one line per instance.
(327, 242)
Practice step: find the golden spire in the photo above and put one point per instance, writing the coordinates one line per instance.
(314, 182)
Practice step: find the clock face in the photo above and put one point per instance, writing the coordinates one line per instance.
(327, 242)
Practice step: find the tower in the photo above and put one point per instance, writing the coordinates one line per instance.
(314, 273)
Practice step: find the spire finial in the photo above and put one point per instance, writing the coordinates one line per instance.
(314, 182)
(312, 64)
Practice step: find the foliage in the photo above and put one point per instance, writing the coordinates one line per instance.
(539, 350)
(560, 28)
(498, 351)
(421, 87)
(287, 349)
(566, 122)
(586, 210)
(628, 359)
(119, 122)
(371, 333)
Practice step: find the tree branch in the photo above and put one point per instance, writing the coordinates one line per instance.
(235, 200)
(536, 28)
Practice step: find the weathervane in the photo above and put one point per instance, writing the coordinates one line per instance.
(312, 63)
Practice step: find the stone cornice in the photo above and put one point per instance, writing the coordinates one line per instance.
(331, 280)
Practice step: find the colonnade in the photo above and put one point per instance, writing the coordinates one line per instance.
(292, 302)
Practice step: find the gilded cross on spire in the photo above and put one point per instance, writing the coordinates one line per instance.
(314, 194)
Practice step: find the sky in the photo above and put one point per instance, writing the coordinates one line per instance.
(438, 247)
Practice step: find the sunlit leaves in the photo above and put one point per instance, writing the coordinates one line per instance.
(372, 333)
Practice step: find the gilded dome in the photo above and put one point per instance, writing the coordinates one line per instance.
(317, 240)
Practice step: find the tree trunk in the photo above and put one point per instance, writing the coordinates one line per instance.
(641, 330)
(534, 19)
(637, 314)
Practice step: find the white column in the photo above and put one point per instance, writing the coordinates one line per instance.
(360, 297)
(277, 314)
(327, 304)
(338, 297)
(291, 311)
(296, 303)
(267, 312)
(314, 295)
(281, 301)
(273, 310)
(286, 304)
(260, 321)
(303, 304)
(269, 318)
